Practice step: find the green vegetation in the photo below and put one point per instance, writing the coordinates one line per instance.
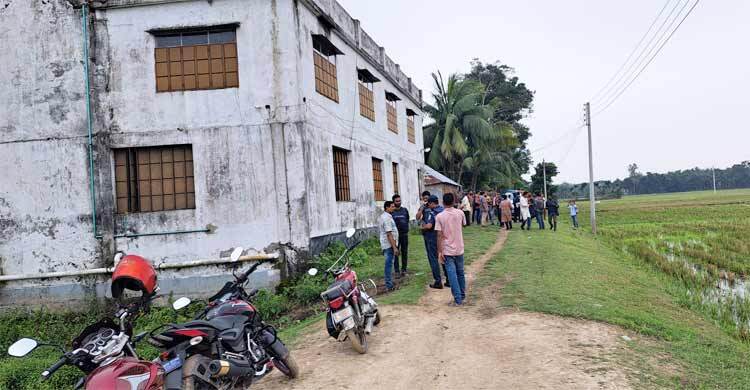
(572, 273)
(294, 307)
(696, 179)
(477, 138)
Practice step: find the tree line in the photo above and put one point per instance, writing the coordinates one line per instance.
(696, 179)
(477, 138)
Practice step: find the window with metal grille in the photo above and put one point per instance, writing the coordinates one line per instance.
(341, 174)
(366, 96)
(390, 101)
(396, 189)
(377, 178)
(196, 59)
(154, 179)
(324, 57)
(410, 132)
(366, 101)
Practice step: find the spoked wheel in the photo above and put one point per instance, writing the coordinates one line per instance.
(358, 339)
(288, 366)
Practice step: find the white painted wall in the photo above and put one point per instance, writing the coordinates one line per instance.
(262, 176)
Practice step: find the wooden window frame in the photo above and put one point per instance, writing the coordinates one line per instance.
(326, 80)
(154, 179)
(366, 100)
(392, 115)
(391, 104)
(396, 184)
(196, 59)
(341, 174)
(411, 134)
(377, 179)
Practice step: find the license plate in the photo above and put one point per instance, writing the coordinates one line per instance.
(172, 365)
(342, 314)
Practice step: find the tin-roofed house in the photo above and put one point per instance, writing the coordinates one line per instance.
(439, 184)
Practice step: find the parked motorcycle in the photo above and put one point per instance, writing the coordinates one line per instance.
(227, 345)
(105, 352)
(349, 308)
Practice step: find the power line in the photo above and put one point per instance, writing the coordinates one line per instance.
(651, 59)
(563, 137)
(643, 38)
(645, 52)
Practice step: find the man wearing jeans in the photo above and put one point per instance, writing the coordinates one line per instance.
(388, 241)
(449, 225)
(430, 238)
(401, 217)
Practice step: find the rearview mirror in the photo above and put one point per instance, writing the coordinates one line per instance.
(236, 254)
(312, 271)
(181, 303)
(351, 232)
(22, 347)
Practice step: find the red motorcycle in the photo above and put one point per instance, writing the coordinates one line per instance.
(105, 352)
(349, 308)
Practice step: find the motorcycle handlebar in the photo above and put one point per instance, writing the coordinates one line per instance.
(51, 370)
(243, 278)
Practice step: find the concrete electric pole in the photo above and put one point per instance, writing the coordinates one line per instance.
(713, 173)
(592, 196)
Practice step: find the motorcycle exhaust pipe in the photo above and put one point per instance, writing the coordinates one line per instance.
(229, 368)
(370, 323)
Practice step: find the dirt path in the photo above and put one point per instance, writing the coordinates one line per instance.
(435, 346)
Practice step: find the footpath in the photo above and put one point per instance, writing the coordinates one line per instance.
(480, 346)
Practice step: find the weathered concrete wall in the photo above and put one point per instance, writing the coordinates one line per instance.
(262, 152)
(45, 207)
(340, 124)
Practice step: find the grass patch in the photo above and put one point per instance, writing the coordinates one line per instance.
(571, 273)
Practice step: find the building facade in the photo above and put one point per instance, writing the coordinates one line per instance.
(207, 125)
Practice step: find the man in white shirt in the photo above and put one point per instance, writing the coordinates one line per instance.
(388, 240)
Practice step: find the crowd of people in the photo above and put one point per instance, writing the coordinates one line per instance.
(442, 229)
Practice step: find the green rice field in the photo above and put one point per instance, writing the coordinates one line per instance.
(700, 238)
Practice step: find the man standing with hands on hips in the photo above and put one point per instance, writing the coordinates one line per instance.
(449, 225)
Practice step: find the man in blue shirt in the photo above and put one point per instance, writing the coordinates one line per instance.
(430, 238)
(401, 217)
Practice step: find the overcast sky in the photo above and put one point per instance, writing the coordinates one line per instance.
(687, 109)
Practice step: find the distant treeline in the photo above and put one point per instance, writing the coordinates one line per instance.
(696, 179)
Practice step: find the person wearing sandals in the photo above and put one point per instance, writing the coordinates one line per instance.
(449, 225)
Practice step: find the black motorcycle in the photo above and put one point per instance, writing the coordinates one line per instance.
(227, 345)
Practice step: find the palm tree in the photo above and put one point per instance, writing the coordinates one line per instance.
(462, 122)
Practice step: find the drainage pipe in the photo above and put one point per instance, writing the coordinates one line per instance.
(109, 270)
(135, 235)
(89, 120)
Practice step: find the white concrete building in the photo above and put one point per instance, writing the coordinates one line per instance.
(268, 124)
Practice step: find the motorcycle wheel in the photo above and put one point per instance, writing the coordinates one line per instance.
(358, 339)
(288, 366)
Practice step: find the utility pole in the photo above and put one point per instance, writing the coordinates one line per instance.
(592, 196)
(544, 174)
(713, 173)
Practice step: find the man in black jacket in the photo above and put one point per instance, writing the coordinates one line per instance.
(401, 217)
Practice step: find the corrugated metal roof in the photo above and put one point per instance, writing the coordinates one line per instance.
(439, 176)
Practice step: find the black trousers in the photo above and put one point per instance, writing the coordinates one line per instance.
(403, 247)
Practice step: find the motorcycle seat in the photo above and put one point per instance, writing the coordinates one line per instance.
(337, 289)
